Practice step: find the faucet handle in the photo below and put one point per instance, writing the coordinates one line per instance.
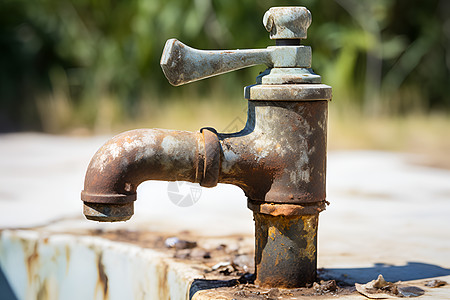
(287, 25)
(287, 22)
(183, 64)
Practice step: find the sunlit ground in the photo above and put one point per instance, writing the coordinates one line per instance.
(425, 135)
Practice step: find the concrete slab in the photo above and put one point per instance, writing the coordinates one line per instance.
(237, 293)
(58, 266)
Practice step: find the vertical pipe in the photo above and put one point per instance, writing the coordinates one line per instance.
(285, 250)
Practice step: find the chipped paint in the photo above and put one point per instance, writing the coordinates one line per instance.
(230, 158)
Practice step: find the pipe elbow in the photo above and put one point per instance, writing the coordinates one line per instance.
(132, 157)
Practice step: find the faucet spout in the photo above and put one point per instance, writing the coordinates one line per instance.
(132, 157)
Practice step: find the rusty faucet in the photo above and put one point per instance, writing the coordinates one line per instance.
(278, 159)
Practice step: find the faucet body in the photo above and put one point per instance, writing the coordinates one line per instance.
(278, 159)
(278, 156)
(293, 121)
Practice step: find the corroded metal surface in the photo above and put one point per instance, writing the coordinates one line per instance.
(287, 22)
(280, 155)
(288, 92)
(108, 211)
(285, 250)
(211, 166)
(135, 156)
(288, 76)
(182, 64)
(275, 209)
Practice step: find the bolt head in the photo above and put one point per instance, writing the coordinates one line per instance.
(289, 22)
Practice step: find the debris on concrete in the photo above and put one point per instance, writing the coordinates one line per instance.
(378, 289)
(182, 254)
(199, 253)
(195, 253)
(382, 289)
(220, 265)
(435, 283)
(325, 287)
(240, 290)
(226, 268)
(246, 262)
(410, 291)
(174, 242)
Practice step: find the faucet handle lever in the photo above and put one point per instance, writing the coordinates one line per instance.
(182, 64)
(287, 25)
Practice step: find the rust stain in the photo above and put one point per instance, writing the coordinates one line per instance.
(285, 250)
(272, 233)
(310, 227)
(163, 288)
(102, 282)
(279, 156)
(32, 262)
(43, 292)
(67, 252)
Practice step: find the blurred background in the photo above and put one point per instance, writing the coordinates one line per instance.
(92, 67)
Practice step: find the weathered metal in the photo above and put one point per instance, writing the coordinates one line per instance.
(278, 159)
(288, 92)
(211, 165)
(110, 212)
(285, 250)
(279, 156)
(132, 157)
(182, 64)
(284, 23)
(284, 209)
(288, 76)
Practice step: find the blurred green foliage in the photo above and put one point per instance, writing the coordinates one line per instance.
(66, 63)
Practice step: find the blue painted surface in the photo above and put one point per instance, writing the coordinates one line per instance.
(6, 292)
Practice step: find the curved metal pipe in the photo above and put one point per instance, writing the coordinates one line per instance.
(132, 157)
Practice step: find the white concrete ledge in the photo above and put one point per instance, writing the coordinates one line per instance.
(82, 267)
